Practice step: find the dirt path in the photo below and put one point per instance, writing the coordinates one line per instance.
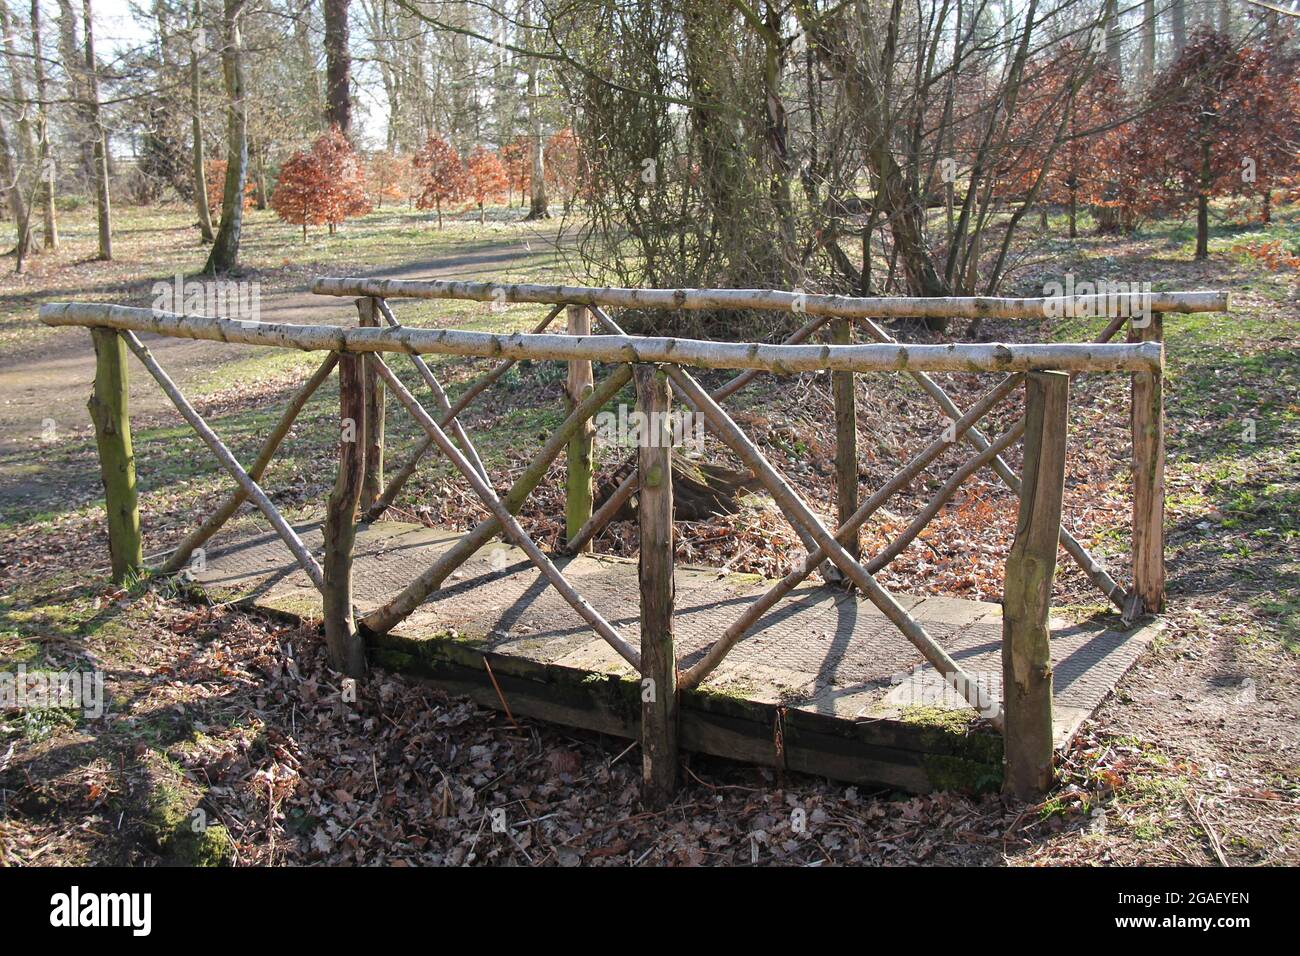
(46, 389)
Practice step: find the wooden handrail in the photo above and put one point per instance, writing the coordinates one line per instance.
(842, 306)
(611, 349)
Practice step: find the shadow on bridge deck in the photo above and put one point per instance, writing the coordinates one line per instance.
(824, 684)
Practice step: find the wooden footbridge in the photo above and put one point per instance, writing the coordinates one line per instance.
(842, 678)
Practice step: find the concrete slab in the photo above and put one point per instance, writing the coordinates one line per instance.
(863, 694)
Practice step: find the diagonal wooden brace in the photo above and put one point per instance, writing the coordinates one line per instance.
(399, 480)
(228, 461)
(739, 443)
(508, 521)
(384, 618)
(829, 571)
(440, 397)
(974, 437)
(215, 521)
(847, 532)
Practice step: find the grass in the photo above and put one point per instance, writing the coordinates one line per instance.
(157, 244)
(1221, 372)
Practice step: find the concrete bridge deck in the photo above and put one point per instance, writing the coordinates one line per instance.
(824, 684)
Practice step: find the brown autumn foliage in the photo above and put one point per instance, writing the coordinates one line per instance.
(1223, 121)
(516, 159)
(486, 179)
(323, 185)
(563, 169)
(389, 177)
(214, 177)
(441, 175)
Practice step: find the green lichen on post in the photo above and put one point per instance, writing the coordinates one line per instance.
(108, 411)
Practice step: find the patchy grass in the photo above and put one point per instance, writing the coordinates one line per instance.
(214, 710)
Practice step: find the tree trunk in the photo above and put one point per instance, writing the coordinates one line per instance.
(1203, 200)
(51, 238)
(9, 174)
(260, 194)
(338, 67)
(225, 248)
(74, 67)
(538, 206)
(1178, 23)
(196, 129)
(27, 177)
(103, 213)
(1148, 42)
(311, 76)
(1114, 45)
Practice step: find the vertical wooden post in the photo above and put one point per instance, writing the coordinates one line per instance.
(346, 649)
(109, 412)
(846, 437)
(658, 656)
(1148, 421)
(372, 484)
(578, 488)
(1027, 599)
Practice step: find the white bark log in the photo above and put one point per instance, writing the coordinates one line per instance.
(781, 359)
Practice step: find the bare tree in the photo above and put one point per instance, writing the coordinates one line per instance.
(538, 207)
(225, 248)
(198, 46)
(46, 171)
(338, 67)
(22, 168)
(100, 139)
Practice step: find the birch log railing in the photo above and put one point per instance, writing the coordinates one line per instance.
(664, 369)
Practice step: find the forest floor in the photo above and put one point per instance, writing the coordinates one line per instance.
(226, 718)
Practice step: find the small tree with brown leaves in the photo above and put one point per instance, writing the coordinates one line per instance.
(389, 177)
(519, 168)
(214, 177)
(487, 179)
(347, 194)
(300, 191)
(441, 175)
(322, 185)
(563, 166)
